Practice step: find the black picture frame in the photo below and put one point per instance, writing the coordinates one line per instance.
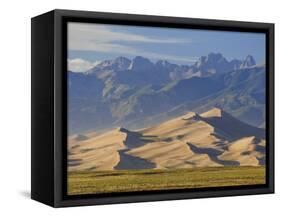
(49, 104)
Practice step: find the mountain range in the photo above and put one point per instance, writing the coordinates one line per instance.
(210, 139)
(139, 93)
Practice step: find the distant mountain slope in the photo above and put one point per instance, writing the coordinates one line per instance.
(137, 93)
(213, 138)
(243, 96)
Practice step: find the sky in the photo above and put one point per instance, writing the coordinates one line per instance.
(89, 43)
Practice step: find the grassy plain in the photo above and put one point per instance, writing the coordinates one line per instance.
(155, 179)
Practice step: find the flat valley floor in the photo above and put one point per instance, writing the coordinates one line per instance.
(98, 182)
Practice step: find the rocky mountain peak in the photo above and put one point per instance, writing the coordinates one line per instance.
(162, 63)
(117, 64)
(202, 60)
(214, 57)
(140, 63)
(122, 61)
(248, 62)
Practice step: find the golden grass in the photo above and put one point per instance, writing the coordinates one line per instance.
(156, 179)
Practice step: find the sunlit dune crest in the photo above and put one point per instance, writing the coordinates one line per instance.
(211, 139)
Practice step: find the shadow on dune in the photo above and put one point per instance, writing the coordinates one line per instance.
(232, 128)
(74, 162)
(209, 151)
(81, 137)
(261, 161)
(129, 162)
(134, 139)
(213, 154)
(260, 148)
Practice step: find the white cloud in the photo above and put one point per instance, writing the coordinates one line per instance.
(84, 32)
(80, 65)
(99, 38)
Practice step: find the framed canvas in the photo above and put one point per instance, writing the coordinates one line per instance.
(133, 108)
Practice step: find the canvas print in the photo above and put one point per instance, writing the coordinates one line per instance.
(153, 108)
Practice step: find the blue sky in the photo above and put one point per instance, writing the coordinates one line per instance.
(90, 43)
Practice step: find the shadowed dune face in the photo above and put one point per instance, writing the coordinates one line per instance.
(172, 155)
(213, 154)
(99, 152)
(213, 138)
(128, 162)
(230, 126)
(134, 139)
(248, 151)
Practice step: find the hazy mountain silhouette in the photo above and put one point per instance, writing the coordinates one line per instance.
(137, 93)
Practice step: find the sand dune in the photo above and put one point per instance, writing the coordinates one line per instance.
(229, 126)
(128, 161)
(248, 151)
(99, 152)
(213, 138)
